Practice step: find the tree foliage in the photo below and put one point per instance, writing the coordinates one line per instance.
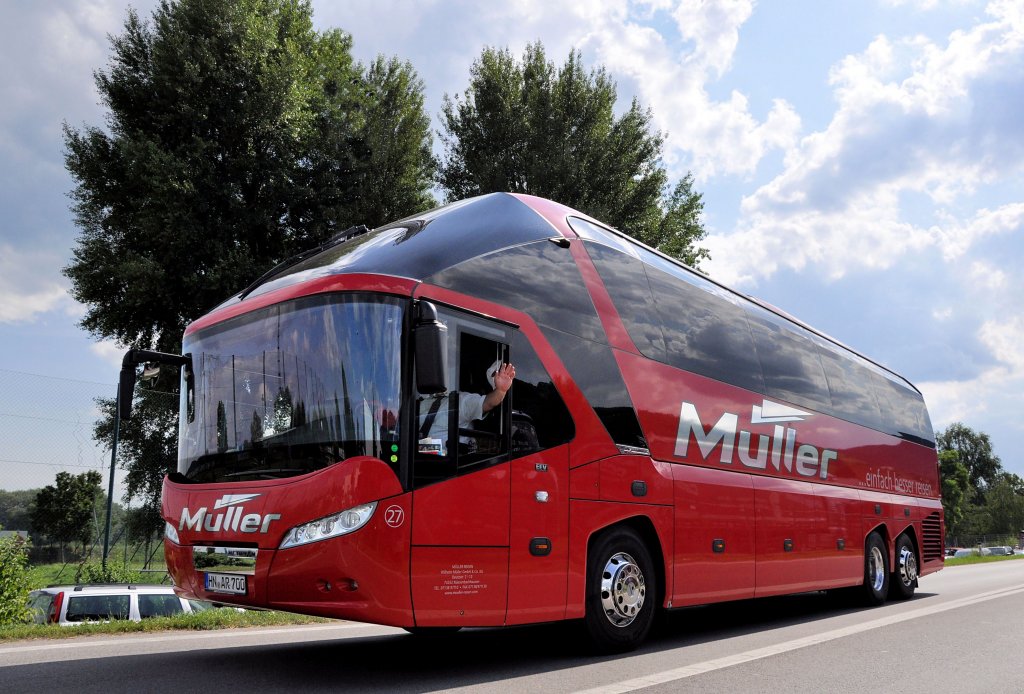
(974, 451)
(529, 127)
(979, 497)
(235, 136)
(16, 508)
(956, 486)
(66, 511)
(14, 583)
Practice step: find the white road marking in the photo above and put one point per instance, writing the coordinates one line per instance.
(760, 653)
(189, 636)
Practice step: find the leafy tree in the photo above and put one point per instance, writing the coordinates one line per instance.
(528, 127)
(66, 510)
(974, 451)
(14, 584)
(1005, 506)
(956, 485)
(15, 508)
(235, 136)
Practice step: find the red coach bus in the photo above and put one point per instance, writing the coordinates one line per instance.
(666, 441)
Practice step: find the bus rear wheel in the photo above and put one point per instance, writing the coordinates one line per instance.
(904, 575)
(621, 592)
(876, 570)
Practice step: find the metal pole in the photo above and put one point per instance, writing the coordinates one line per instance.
(110, 483)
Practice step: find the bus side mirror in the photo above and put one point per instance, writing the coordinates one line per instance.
(431, 344)
(125, 392)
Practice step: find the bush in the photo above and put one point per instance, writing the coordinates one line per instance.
(95, 573)
(13, 580)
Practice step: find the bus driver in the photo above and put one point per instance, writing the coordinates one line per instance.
(433, 432)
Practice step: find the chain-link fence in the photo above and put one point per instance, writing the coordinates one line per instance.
(47, 426)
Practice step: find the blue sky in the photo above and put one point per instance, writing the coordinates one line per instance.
(861, 163)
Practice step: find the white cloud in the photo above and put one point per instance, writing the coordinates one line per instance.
(708, 136)
(913, 119)
(633, 41)
(997, 394)
(987, 276)
(109, 351)
(27, 285)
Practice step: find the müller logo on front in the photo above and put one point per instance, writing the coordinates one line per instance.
(233, 519)
(777, 449)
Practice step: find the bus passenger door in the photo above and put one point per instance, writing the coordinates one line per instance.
(461, 486)
(539, 547)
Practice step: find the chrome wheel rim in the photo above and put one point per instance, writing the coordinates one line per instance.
(876, 569)
(908, 566)
(623, 590)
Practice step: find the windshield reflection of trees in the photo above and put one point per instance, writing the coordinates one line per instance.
(292, 439)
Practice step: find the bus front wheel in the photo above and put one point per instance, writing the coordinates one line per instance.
(621, 592)
(876, 570)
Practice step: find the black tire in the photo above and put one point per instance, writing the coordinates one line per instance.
(904, 574)
(622, 592)
(876, 571)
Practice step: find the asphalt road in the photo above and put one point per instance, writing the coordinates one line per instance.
(963, 632)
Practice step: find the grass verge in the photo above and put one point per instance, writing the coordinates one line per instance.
(978, 559)
(199, 621)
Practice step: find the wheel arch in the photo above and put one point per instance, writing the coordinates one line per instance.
(643, 526)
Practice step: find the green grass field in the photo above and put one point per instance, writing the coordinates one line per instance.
(200, 621)
(978, 559)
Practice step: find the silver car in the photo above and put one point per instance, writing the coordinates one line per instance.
(73, 605)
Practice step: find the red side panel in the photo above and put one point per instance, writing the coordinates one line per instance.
(787, 514)
(841, 538)
(620, 473)
(713, 505)
(469, 510)
(459, 586)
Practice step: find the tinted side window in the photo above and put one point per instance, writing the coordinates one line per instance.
(626, 281)
(789, 360)
(705, 332)
(159, 605)
(540, 418)
(853, 397)
(593, 368)
(903, 410)
(97, 608)
(454, 435)
(539, 279)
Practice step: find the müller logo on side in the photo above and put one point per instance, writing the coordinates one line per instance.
(778, 448)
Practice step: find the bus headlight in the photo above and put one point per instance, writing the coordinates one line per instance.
(342, 523)
(171, 533)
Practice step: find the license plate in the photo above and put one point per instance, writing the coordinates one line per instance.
(226, 583)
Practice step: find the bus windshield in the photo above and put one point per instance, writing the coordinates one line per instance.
(292, 388)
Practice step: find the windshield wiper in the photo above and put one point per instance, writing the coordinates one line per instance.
(337, 239)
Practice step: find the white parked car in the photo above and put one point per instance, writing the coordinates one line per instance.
(73, 605)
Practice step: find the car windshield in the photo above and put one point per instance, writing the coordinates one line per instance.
(292, 388)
